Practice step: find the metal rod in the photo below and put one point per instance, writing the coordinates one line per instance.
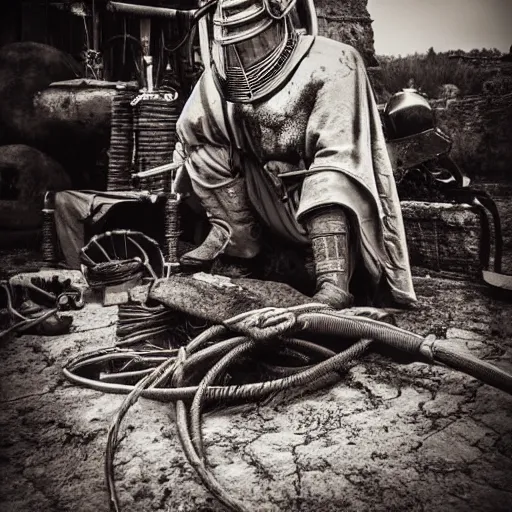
(204, 40)
(158, 170)
(147, 11)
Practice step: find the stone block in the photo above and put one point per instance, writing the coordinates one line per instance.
(443, 237)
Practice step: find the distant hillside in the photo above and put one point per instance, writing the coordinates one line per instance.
(468, 71)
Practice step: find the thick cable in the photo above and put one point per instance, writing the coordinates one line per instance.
(359, 327)
(193, 445)
(183, 433)
(115, 425)
(197, 403)
(24, 325)
(147, 357)
(336, 362)
(119, 376)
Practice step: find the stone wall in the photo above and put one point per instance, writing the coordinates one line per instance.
(481, 129)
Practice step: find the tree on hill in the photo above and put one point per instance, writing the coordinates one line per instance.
(432, 70)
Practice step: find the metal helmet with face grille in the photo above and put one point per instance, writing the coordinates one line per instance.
(253, 41)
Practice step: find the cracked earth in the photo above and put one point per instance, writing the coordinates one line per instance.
(391, 435)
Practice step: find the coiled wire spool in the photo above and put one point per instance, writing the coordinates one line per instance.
(121, 140)
(49, 240)
(109, 273)
(171, 222)
(49, 246)
(118, 256)
(155, 137)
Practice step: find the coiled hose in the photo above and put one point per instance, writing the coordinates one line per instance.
(270, 330)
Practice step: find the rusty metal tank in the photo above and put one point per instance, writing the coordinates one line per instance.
(72, 122)
(82, 105)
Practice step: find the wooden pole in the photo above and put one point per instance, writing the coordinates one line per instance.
(145, 39)
(95, 27)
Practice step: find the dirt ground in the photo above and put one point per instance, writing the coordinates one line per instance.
(389, 436)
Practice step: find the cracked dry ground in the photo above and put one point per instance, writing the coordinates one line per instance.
(390, 436)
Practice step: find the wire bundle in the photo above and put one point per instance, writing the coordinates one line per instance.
(121, 141)
(137, 322)
(154, 126)
(110, 273)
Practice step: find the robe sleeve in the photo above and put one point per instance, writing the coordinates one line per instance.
(204, 144)
(202, 119)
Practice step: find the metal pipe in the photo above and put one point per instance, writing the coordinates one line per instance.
(204, 40)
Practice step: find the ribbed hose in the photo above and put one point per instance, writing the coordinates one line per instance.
(193, 444)
(319, 323)
(206, 477)
(262, 389)
(473, 366)
(214, 393)
(359, 327)
(400, 339)
(204, 355)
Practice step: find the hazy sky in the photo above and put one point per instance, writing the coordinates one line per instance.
(408, 26)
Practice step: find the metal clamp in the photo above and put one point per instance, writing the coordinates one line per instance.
(146, 95)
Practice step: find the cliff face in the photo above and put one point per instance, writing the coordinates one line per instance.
(348, 22)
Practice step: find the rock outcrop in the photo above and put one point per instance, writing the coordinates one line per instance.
(25, 175)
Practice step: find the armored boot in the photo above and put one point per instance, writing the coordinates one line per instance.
(234, 231)
(328, 230)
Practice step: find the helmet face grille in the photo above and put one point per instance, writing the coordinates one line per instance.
(251, 47)
(240, 84)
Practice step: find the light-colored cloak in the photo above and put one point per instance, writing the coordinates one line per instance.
(324, 123)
